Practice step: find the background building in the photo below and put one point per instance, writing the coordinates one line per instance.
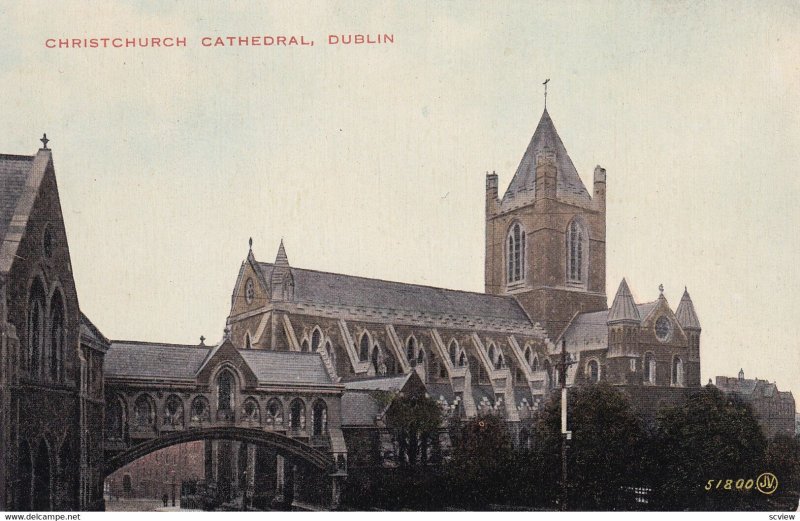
(774, 409)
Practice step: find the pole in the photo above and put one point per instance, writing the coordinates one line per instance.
(564, 432)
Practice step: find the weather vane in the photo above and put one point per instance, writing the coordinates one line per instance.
(545, 91)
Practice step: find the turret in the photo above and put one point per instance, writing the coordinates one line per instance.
(687, 318)
(623, 322)
(281, 281)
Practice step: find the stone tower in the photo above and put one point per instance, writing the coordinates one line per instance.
(546, 237)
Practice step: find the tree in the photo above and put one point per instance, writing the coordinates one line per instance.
(482, 457)
(415, 420)
(604, 456)
(709, 437)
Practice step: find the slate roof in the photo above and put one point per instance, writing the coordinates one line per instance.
(436, 391)
(624, 308)
(90, 331)
(590, 330)
(569, 186)
(359, 409)
(286, 367)
(686, 315)
(150, 360)
(750, 388)
(146, 360)
(318, 287)
(14, 172)
(387, 383)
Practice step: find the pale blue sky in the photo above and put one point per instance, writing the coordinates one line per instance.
(371, 160)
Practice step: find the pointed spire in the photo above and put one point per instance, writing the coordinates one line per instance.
(741, 374)
(686, 315)
(569, 185)
(281, 259)
(624, 308)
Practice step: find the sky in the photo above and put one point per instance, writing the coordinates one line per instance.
(371, 159)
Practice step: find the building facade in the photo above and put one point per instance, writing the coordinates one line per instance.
(51, 357)
(774, 409)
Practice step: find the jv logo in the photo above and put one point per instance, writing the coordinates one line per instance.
(767, 483)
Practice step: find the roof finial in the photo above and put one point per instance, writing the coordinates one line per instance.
(202, 340)
(545, 92)
(44, 140)
(661, 289)
(250, 242)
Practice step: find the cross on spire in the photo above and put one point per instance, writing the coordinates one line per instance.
(44, 140)
(545, 91)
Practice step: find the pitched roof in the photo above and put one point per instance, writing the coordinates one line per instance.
(175, 361)
(14, 172)
(90, 331)
(569, 186)
(359, 409)
(590, 330)
(386, 383)
(286, 367)
(624, 308)
(686, 315)
(149, 360)
(335, 289)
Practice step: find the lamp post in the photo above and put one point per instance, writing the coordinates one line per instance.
(566, 435)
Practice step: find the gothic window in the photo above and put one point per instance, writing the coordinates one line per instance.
(247, 343)
(515, 254)
(115, 420)
(593, 371)
(225, 383)
(316, 340)
(363, 352)
(492, 353)
(297, 415)
(649, 368)
(411, 349)
(677, 371)
(319, 418)
(576, 253)
(143, 411)
(173, 412)
(535, 363)
(57, 337)
(201, 411)
(453, 351)
(127, 486)
(462, 359)
(35, 327)
(378, 361)
(500, 363)
(274, 413)
(528, 355)
(330, 352)
(304, 346)
(250, 411)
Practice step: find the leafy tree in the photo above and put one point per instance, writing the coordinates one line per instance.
(710, 436)
(783, 460)
(604, 456)
(415, 421)
(482, 457)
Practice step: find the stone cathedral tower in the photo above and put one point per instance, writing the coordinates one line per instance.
(546, 238)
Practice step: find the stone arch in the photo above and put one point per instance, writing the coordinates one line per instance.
(593, 370)
(297, 415)
(36, 326)
(274, 416)
(452, 351)
(364, 346)
(173, 416)
(316, 339)
(251, 412)
(411, 349)
(200, 410)
(319, 418)
(144, 411)
(57, 335)
(116, 419)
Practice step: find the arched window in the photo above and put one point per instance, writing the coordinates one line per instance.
(492, 353)
(115, 419)
(274, 413)
(225, 382)
(453, 351)
(576, 253)
(535, 363)
(677, 371)
(593, 371)
(411, 349)
(250, 411)
(649, 368)
(319, 418)
(297, 415)
(377, 361)
(201, 410)
(500, 363)
(462, 359)
(515, 254)
(127, 486)
(247, 343)
(528, 355)
(173, 411)
(316, 340)
(304, 346)
(35, 327)
(57, 337)
(330, 352)
(363, 352)
(143, 411)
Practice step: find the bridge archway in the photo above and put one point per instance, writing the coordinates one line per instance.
(283, 444)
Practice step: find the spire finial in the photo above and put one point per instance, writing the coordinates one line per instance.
(202, 340)
(250, 242)
(661, 289)
(545, 92)
(44, 141)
